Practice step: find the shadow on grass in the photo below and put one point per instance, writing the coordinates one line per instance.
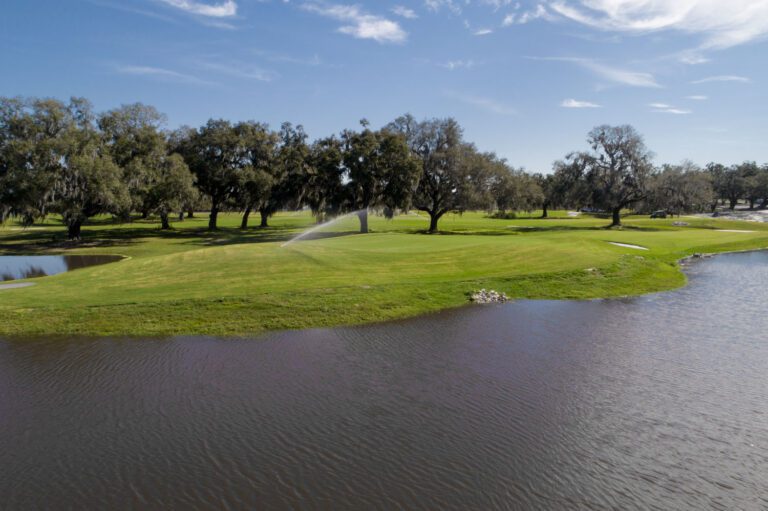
(54, 237)
(51, 235)
(495, 232)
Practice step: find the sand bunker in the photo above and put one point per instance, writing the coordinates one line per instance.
(731, 230)
(627, 245)
(16, 286)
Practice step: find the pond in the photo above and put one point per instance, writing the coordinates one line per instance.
(27, 266)
(657, 402)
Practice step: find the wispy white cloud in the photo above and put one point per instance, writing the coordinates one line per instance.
(452, 65)
(225, 9)
(676, 111)
(487, 104)
(133, 10)
(574, 103)
(360, 24)
(237, 69)
(692, 58)
(521, 18)
(697, 98)
(453, 6)
(622, 76)
(404, 12)
(483, 31)
(723, 78)
(161, 74)
(271, 56)
(612, 74)
(664, 108)
(721, 23)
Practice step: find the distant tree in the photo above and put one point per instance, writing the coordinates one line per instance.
(89, 182)
(514, 189)
(31, 147)
(214, 155)
(287, 171)
(616, 170)
(324, 187)
(54, 159)
(446, 183)
(258, 146)
(138, 146)
(171, 188)
(754, 183)
(681, 189)
(761, 183)
(379, 171)
(728, 182)
(567, 187)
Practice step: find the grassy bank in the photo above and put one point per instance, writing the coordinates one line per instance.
(233, 282)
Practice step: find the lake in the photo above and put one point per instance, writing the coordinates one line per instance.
(656, 402)
(27, 266)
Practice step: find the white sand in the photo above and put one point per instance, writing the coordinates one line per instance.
(626, 245)
(731, 230)
(16, 286)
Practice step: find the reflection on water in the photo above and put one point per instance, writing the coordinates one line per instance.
(653, 403)
(25, 267)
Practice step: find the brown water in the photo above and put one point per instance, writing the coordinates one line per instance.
(26, 266)
(656, 402)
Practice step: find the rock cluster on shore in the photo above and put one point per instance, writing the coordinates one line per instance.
(488, 296)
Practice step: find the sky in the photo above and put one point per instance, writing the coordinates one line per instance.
(526, 79)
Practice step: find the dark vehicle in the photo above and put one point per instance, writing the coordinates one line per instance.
(659, 214)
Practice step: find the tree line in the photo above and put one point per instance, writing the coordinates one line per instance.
(63, 158)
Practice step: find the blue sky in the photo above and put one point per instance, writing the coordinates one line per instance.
(526, 79)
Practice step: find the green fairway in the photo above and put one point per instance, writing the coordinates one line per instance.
(233, 282)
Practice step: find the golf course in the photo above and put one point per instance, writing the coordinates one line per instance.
(235, 282)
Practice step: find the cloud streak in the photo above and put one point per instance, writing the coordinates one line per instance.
(574, 103)
(404, 12)
(360, 24)
(664, 108)
(161, 74)
(723, 78)
(609, 73)
(487, 104)
(226, 9)
(723, 24)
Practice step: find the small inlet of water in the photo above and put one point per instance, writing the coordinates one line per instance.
(27, 266)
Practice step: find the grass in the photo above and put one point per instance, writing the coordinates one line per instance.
(233, 282)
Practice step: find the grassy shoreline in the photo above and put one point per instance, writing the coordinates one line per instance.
(239, 283)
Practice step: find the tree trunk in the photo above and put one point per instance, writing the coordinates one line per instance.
(433, 219)
(733, 203)
(363, 216)
(544, 212)
(764, 204)
(164, 223)
(246, 214)
(145, 214)
(264, 218)
(212, 226)
(181, 216)
(616, 217)
(73, 230)
(190, 213)
(751, 203)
